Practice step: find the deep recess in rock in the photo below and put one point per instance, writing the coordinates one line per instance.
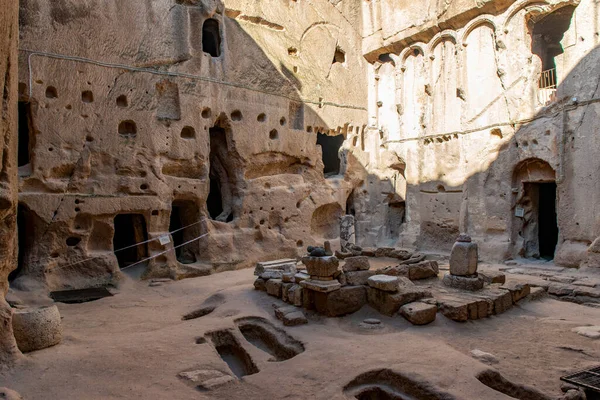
(219, 201)
(270, 339)
(536, 230)
(183, 214)
(130, 229)
(330, 147)
(211, 38)
(388, 384)
(207, 306)
(25, 130)
(230, 351)
(127, 128)
(546, 36)
(496, 381)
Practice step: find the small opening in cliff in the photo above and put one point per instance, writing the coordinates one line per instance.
(211, 39)
(25, 239)
(24, 133)
(350, 206)
(330, 147)
(128, 129)
(547, 34)
(87, 96)
(219, 201)
(339, 56)
(188, 132)
(130, 233)
(184, 218)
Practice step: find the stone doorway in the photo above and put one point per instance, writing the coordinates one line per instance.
(535, 212)
(184, 227)
(130, 235)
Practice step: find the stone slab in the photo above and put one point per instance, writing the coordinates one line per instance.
(418, 313)
(389, 303)
(273, 287)
(294, 319)
(518, 290)
(347, 300)
(489, 276)
(321, 286)
(285, 264)
(359, 263)
(463, 282)
(356, 278)
(386, 283)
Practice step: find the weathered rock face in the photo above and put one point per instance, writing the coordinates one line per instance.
(235, 119)
(446, 103)
(8, 177)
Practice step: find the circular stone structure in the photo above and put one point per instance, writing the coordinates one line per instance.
(37, 328)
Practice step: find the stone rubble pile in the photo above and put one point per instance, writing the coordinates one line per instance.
(411, 288)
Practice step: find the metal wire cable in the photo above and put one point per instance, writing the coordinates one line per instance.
(140, 243)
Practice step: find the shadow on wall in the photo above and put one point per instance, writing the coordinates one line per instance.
(537, 195)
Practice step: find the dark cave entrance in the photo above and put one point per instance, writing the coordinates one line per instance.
(24, 141)
(330, 147)
(548, 226)
(130, 229)
(219, 201)
(211, 39)
(184, 220)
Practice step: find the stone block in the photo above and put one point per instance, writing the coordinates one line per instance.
(368, 251)
(295, 295)
(389, 303)
(536, 293)
(347, 300)
(287, 277)
(274, 287)
(423, 270)
(321, 286)
(285, 265)
(470, 283)
(492, 276)
(301, 276)
(360, 263)
(271, 274)
(280, 312)
(455, 310)
(321, 266)
(36, 328)
(294, 319)
(418, 313)
(357, 278)
(398, 270)
(463, 259)
(400, 254)
(260, 284)
(517, 290)
(285, 287)
(384, 282)
(384, 251)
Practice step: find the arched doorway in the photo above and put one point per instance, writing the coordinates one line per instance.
(535, 223)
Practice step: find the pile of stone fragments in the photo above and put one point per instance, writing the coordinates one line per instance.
(411, 288)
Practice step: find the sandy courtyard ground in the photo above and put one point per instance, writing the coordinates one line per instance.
(134, 345)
